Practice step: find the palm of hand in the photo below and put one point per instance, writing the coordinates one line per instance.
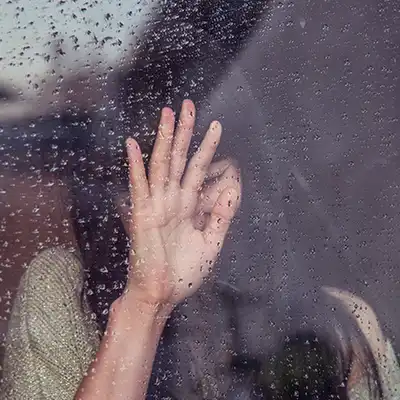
(170, 256)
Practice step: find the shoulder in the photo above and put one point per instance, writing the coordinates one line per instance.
(54, 276)
(49, 314)
(51, 288)
(56, 266)
(50, 294)
(51, 338)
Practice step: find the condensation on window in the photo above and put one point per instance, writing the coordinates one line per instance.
(307, 95)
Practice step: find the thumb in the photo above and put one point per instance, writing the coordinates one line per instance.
(219, 221)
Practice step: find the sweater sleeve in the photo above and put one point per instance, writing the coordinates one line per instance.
(51, 340)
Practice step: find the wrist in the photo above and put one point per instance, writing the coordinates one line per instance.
(132, 308)
(148, 301)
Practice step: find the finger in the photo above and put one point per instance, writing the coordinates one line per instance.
(139, 187)
(217, 168)
(194, 205)
(200, 162)
(161, 155)
(220, 220)
(182, 139)
(211, 191)
(200, 221)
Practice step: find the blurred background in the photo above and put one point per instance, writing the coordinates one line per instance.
(308, 93)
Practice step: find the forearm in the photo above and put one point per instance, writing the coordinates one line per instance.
(124, 361)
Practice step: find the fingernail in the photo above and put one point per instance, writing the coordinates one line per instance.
(215, 125)
(132, 144)
(187, 108)
(166, 111)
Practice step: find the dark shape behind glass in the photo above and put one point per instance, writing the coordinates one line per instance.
(321, 183)
(85, 149)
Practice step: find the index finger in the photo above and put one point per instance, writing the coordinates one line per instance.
(139, 187)
(200, 162)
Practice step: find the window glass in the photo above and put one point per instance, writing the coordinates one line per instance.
(302, 300)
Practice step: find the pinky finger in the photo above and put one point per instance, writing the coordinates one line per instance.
(219, 221)
(137, 174)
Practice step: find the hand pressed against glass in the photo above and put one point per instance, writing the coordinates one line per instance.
(221, 175)
(178, 224)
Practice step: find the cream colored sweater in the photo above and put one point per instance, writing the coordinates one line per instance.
(52, 340)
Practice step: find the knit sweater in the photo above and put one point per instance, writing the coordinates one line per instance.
(53, 338)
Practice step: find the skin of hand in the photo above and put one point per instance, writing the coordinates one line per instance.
(180, 215)
(178, 223)
(221, 175)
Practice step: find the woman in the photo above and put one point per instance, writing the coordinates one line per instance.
(176, 227)
(87, 324)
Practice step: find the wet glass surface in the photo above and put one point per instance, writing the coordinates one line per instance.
(307, 93)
